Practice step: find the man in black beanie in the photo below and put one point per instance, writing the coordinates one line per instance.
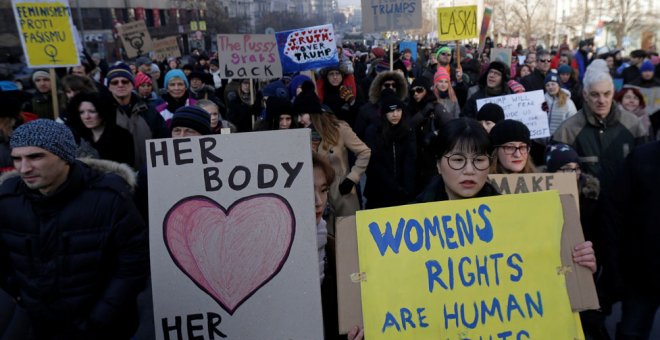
(73, 249)
(493, 83)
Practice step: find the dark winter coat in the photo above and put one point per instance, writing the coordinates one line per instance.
(391, 169)
(534, 81)
(602, 144)
(428, 117)
(436, 191)
(76, 259)
(632, 215)
(143, 123)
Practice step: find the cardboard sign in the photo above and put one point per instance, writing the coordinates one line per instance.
(307, 48)
(412, 45)
(46, 32)
(252, 56)
(135, 38)
(469, 269)
(501, 54)
(524, 107)
(391, 15)
(565, 183)
(651, 98)
(457, 23)
(349, 308)
(232, 237)
(165, 48)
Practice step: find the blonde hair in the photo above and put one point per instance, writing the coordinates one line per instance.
(562, 97)
(328, 127)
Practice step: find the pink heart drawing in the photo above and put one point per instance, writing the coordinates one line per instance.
(230, 253)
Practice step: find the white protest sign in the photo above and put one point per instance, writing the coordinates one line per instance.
(391, 15)
(253, 56)
(524, 107)
(233, 237)
(135, 38)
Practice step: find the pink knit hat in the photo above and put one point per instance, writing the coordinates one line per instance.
(140, 79)
(441, 74)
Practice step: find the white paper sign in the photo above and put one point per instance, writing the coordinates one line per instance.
(233, 237)
(525, 107)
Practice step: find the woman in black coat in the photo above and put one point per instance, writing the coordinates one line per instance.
(427, 117)
(391, 170)
(92, 121)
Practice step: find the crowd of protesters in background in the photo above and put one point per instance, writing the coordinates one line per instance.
(377, 137)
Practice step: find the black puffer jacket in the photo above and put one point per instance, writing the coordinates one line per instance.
(391, 170)
(76, 259)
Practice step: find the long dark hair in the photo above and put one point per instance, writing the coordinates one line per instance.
(102, 105)
(464, 132)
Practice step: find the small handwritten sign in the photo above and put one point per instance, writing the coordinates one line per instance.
(457, 23)
(391, 15)
(525, 107)
(135, 38)
(165, 48)
(46, 32)
(253, 56)
(307, 48)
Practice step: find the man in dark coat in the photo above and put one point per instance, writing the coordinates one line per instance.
(133, 114)
(536, 80)
(73, 249)
(631, 222)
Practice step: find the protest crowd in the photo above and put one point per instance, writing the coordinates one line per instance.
(387, 129)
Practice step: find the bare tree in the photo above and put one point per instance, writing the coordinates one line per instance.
(628, 16)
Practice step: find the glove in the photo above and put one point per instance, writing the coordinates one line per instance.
(346, 94)
(346, 186)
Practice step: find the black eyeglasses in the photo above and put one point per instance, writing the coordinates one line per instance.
(569, 169)
(120, 81)
(389, 85)
(418, 89)
(445, 54)
(511, 149)
(545, 60)
(458, 161)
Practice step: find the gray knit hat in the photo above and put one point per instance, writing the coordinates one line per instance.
(48, 135)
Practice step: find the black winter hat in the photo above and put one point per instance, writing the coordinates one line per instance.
(558, 155)
(499, 66)
(192, 117)
(277, 106)
(307, 101)
(423, 82)
(491, 112)
(509, 130)
(389, 101)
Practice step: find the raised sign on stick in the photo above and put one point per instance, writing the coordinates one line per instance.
(252, 56)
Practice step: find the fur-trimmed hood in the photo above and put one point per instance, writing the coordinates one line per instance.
(589, 186)
(101, 165)
(377, 84)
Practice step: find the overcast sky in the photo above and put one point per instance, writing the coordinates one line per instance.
(344, 3)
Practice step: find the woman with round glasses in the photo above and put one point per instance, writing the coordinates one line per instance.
(511, 146)
(462, 151)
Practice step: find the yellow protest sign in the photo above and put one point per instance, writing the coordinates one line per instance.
(46, 32)
(457, 23)
(469, 269)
